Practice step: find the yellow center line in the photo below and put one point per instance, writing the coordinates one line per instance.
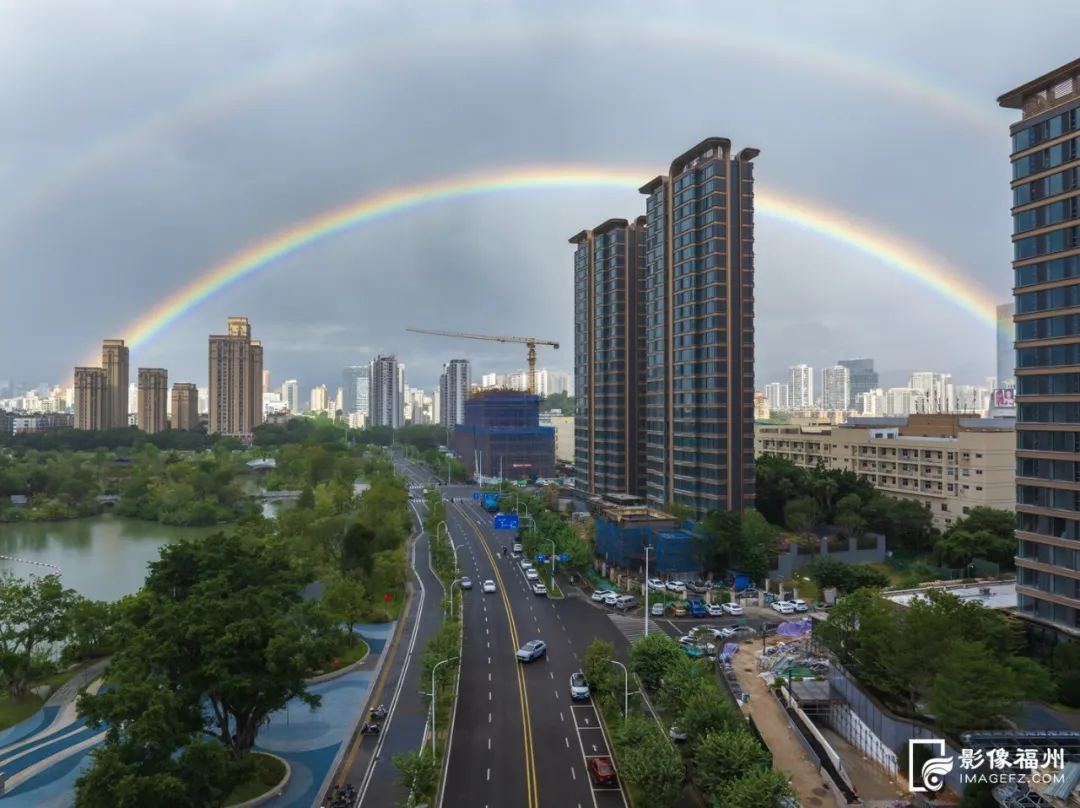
(531, 788)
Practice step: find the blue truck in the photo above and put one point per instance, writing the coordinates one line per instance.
(490, 501)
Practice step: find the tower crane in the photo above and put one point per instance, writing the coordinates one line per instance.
(530, 342)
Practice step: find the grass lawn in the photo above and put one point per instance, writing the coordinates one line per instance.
(268, 773)
(12, 712)
(357, 651)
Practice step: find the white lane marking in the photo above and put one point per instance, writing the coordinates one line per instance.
(489, 676)
(489, 775)
(489, 718)
(551, 674)
(489, 744)
(562, 717)
(489, 695)
(574, 773)
(567, 742)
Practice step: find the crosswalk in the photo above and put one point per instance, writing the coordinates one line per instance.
(629, 626)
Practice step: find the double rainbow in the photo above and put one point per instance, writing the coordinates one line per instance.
(888, 249)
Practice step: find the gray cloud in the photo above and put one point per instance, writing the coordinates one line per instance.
(142, 143)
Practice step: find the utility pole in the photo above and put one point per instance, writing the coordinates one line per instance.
(647, 548)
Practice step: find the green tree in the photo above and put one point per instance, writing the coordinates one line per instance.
(801, 515)
(721, 757)
(649, 763)
(91, 629)
(910, 525)
(1000, 522)
(33, 614)
(1066, 669)
(972, 689)
(652, 656)
(346, 599)
(958, 548)
(707, 711)
(757, 553)
(681, 682)
(221, 624)
(418, 773)
(757, 788)
(603, 677)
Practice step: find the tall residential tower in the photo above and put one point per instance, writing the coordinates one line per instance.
(385, 397)
(153, 399)
(185, 406)
(609, 357)
(115, 362)
(454, 384)
(1046, 269)
(235, 380)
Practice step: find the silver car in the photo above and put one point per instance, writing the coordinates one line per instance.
(579, 688)
(533, 649)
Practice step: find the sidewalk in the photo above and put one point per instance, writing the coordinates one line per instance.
(787, 751)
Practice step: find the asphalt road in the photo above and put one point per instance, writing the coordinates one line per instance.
(369, 765)
(519, 738)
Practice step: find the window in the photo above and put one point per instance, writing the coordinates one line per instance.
(945, 506)
(966, 509)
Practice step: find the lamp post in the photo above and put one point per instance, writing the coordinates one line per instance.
(552, 543)
(647, 548)
(448, 469)
(458, 582)
(626, 688)
(433, 696)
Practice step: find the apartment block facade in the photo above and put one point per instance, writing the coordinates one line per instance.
(863, 379)
(115, 361)
(609, 357)
(235, 380)
(455, 382)
(185, 406)
(90, 398)
(948, 463)
(699, 329)
(385, 392)
(153, 400)
(1046, 267)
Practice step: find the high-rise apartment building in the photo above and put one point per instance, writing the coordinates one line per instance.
(609, 357)
(699, 330)
(153, 400)
(265, 381)
(864, 378)
(778, 395)
(319, 399)
(235, 380)
(114, 361)
(801, 386)
(185, 406)
(1006, 353)
(385, 396)
(1046, 267)
(290, 394)
(90, 398)
(356, 384)
(454, 385)
(836, 388)
(936, 388)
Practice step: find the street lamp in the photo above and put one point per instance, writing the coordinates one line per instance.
(626, 688)
(647, 548)
(458, 582)
(433, 696)
(552, 543)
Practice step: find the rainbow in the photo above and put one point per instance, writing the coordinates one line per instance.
(888, 249)
(721, 38)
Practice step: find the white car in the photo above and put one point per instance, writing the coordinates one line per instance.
(657, 610)
(539, 589)
(677, 734)
(676, 586)
(783, 607)
(714, 609)
(488, 586)
(693, 642)
(656, 585)
(611, 598)
(800, 605)
(526, 564)
(531, 574)
(600, 594)
(733, 609)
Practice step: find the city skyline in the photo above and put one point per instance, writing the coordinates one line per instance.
(847, 105)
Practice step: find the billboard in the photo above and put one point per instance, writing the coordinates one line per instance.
(1004, 398)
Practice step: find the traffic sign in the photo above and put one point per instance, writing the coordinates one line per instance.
(506, 521)
(475, 496)
(564, 557)
(541, 559)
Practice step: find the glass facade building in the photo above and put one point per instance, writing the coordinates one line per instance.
(699, 330)
(863, 378)
(609, 343)
(1046, 267)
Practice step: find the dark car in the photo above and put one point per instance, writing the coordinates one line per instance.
(601, 771)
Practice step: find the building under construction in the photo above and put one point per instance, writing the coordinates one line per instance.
(624, 531)
(502, 436)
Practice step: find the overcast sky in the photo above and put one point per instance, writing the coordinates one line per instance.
(142, 142)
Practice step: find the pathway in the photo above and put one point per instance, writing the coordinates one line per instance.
(871, 783)
(788, 753)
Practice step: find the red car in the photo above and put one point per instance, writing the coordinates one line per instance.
(601, 771)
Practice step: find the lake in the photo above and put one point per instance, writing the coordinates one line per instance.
(101, 557)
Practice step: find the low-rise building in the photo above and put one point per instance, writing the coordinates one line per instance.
(949, 463)
(564, 434)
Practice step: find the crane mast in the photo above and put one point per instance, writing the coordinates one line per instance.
(529, 342)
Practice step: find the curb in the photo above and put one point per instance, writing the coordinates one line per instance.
(274, 792)
(331, 675)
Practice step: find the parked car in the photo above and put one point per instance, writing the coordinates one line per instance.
(676, 586)
(525, 564)
(533, 649)
(531, 574)
(690, 641)
(783, 607)
(678, 609)
(657, 610)
(655, 584)
(611, 598)
(737, 631)
(800, 605)
(579, 688)
(466, 583)
(489, 586)
(601, 771)
(676, 734)
(733, 609)
(539, 589)
(696, 607)
(715, 609)
(625, 602)
(600, 594)
(697, 588)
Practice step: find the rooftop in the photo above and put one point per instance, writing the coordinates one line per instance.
(992, 596)
(1014, 99)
